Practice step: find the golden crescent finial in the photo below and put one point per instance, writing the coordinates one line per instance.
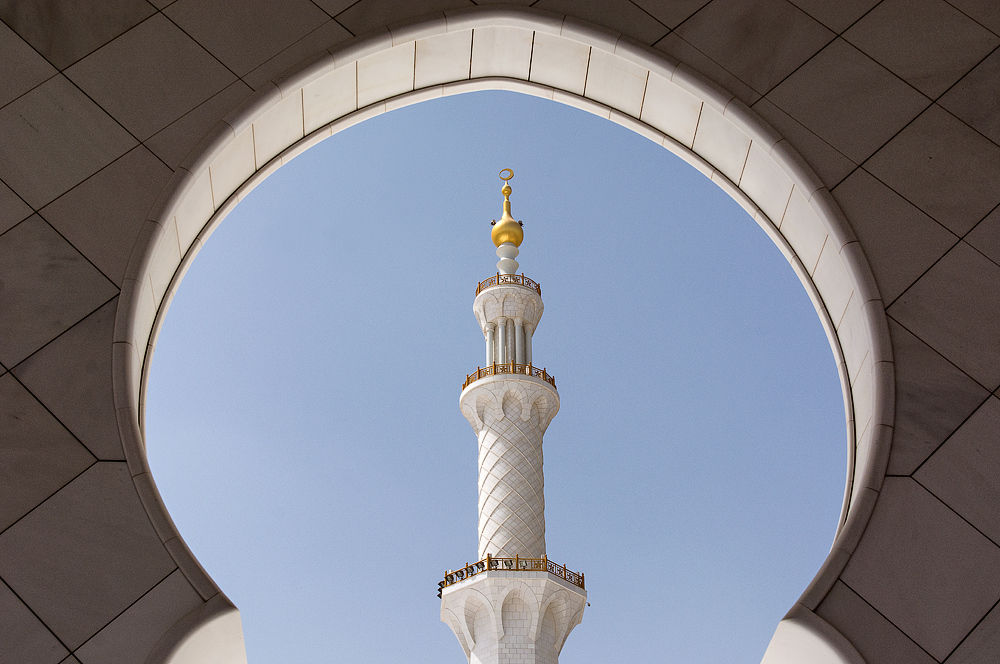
(507, 230)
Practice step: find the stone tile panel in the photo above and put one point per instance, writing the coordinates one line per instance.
(325, 36)
(676, 47)
(12, 209)
(933, 397)
(334, 7)
(953, 308)
(924, 568)
(986, 12)
(876, 639)
(32, 641)
(54, 138)
(85, 555)
(944, 167)
(37, 454)
(915, 39)
(974, 98)
(965, 471)
(830, 92)
(983, 645)
(830, 165)
(48, 286)
(899, 240)
(132, 635)
(24, 68)
(760, 41)
(150, 76)
(83, 403)
(619, 15)
(838, 16)
(986, 236)
(368, 15)
(102, 215)
(75, 29)
(173, 143)
(671, 13)
(244, 34)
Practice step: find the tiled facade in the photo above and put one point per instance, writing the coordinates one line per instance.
(862, 135)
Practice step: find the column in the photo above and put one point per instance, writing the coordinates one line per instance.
(519, 341)
(490, 329)
(502, 340)
(527, 343)
(510, 340)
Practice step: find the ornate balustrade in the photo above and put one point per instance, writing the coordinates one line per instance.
(501, 279)
(510, 564)
(509, 368)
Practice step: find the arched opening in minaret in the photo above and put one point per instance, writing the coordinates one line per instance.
(302, 414)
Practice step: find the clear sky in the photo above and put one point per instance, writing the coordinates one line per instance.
(302, 415)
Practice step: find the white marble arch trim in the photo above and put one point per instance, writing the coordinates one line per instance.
(568, 61)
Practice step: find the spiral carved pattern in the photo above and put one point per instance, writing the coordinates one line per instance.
(511, 499)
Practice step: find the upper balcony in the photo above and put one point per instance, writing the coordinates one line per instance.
(506, 279)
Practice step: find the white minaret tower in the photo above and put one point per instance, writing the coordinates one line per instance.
(514, 604)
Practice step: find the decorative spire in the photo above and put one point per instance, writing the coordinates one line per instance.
(507, 233)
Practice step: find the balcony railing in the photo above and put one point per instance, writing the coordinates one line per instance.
(489, 563)
(509, 368)
(501, 279)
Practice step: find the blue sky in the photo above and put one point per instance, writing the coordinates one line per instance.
(302, 415)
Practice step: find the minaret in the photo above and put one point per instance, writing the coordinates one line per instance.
(514, 604)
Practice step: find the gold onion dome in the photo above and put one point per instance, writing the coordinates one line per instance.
(507, 229)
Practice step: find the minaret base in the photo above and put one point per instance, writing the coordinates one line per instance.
(513, 617)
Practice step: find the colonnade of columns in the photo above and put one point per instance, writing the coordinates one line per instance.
(509, 339)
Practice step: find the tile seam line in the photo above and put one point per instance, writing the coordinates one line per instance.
(936, 351)
(915, 206)
(716, 63)
(341, 13)
(55, 417)
(689, 17)
(664, 25)
(27, 92)
(861, 162)
(944, 442)
(899, 131)
(99, 170)
(119, 615)
(886, 618)
(85, 317)
(38, 618)
(49, 497)
(807, 129)
(981, 134)
(974, 628)
(967, 71)
(313, 2)
(77, 249)
(955, 512)
(976, 249)
(971, 18)
(88, 53)
(798, 67)
(994, 209)
(113, 118)
(921, 276)
(210, 54)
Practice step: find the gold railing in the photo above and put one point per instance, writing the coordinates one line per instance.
(501, 279)
(509, 368)
(491, 564)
